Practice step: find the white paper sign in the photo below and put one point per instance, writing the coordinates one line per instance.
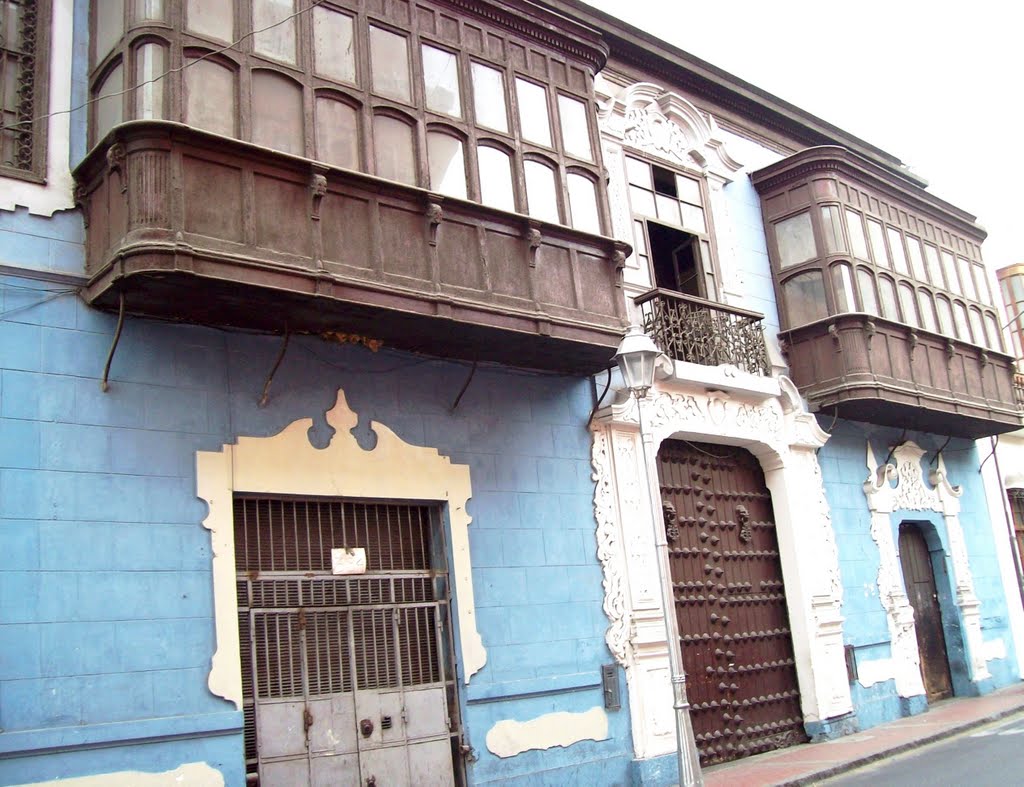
(348, 560)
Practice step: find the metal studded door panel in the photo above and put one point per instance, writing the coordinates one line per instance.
(346, 679)
(730, 601)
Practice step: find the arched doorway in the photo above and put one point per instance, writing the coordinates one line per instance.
(731, 612)
(919, 579)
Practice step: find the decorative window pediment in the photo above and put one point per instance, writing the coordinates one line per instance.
(664, 124)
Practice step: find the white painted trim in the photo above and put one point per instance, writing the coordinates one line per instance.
(287, 463)
(58, 191)
(508, 737)
(911, 493)
(194, 774)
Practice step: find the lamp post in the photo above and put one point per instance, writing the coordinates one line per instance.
(636, 357)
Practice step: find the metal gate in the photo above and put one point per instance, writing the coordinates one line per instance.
(919, 579)
(347, 679)
(730, 602)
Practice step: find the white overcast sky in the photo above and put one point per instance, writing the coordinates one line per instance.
(940, 85)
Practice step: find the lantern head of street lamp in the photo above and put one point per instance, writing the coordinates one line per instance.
(636, 357)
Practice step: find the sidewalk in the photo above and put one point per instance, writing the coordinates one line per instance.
(814, 762)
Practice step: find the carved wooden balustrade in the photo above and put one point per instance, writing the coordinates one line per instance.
(867, 368)
(1018, 389)
(190, 226)
(693, 329)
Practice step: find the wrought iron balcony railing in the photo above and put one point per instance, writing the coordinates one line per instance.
(704, 332)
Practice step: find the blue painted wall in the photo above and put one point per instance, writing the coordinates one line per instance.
(105, 585)
(844, 470)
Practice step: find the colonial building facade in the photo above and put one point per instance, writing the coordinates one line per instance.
(315, 468)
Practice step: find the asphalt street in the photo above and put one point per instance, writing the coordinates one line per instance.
(988, 756)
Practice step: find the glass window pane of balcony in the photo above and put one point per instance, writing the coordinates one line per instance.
(908, 304)
(210, 97)
(583, 204)
(842, 287)
(392, 141)
(964, 267)
(858, 243)
(110, 102)
(693, 217)
(887, 298)
(945, 316)
(668, 209)
(441, 81)
(277, 112)
(688, 190)
(963, 328)
(213, 20)
(572, 115)
(109, 27)
(337, 133)
(927, 309)
(334, 51)
(489, 97)
(899, 257)
(541, 197)
(534, 123)
(642, 202)
(832, 230)
(496, 178)
(150, 63)
(795, 239)
(805, 298)
(447, 164)
(273, 23)
(931, 257)
(638, 173)
(866, 285)
(389, 64)
(878, 250)
(916, 259)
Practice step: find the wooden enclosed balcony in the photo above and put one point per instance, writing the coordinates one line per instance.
(700, 331)
(866, 368)
(191, 226)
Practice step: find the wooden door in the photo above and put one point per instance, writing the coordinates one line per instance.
(730, 601)
(920, 583)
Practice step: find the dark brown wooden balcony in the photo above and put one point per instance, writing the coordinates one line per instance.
(687, 328)
(865, 368)
(1018, 390)
(191, 226)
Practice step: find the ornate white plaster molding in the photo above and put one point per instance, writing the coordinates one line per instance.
(609, 549)
(910, 493)
(657, 121)
(287, 463)
(784, 437)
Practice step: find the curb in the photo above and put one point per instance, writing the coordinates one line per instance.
(903, 748)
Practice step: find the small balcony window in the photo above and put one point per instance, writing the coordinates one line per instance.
(795, 239)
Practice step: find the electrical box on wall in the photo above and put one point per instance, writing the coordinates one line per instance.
(610, 687)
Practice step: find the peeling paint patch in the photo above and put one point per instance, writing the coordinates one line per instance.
(194, 774)
(993, 649)
(875, 671)
(508, 738)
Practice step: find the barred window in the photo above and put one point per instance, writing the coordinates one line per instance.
(24, 28)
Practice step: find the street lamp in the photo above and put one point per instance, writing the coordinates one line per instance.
(636, 357)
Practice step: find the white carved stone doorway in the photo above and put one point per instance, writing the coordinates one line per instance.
(784, 438)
